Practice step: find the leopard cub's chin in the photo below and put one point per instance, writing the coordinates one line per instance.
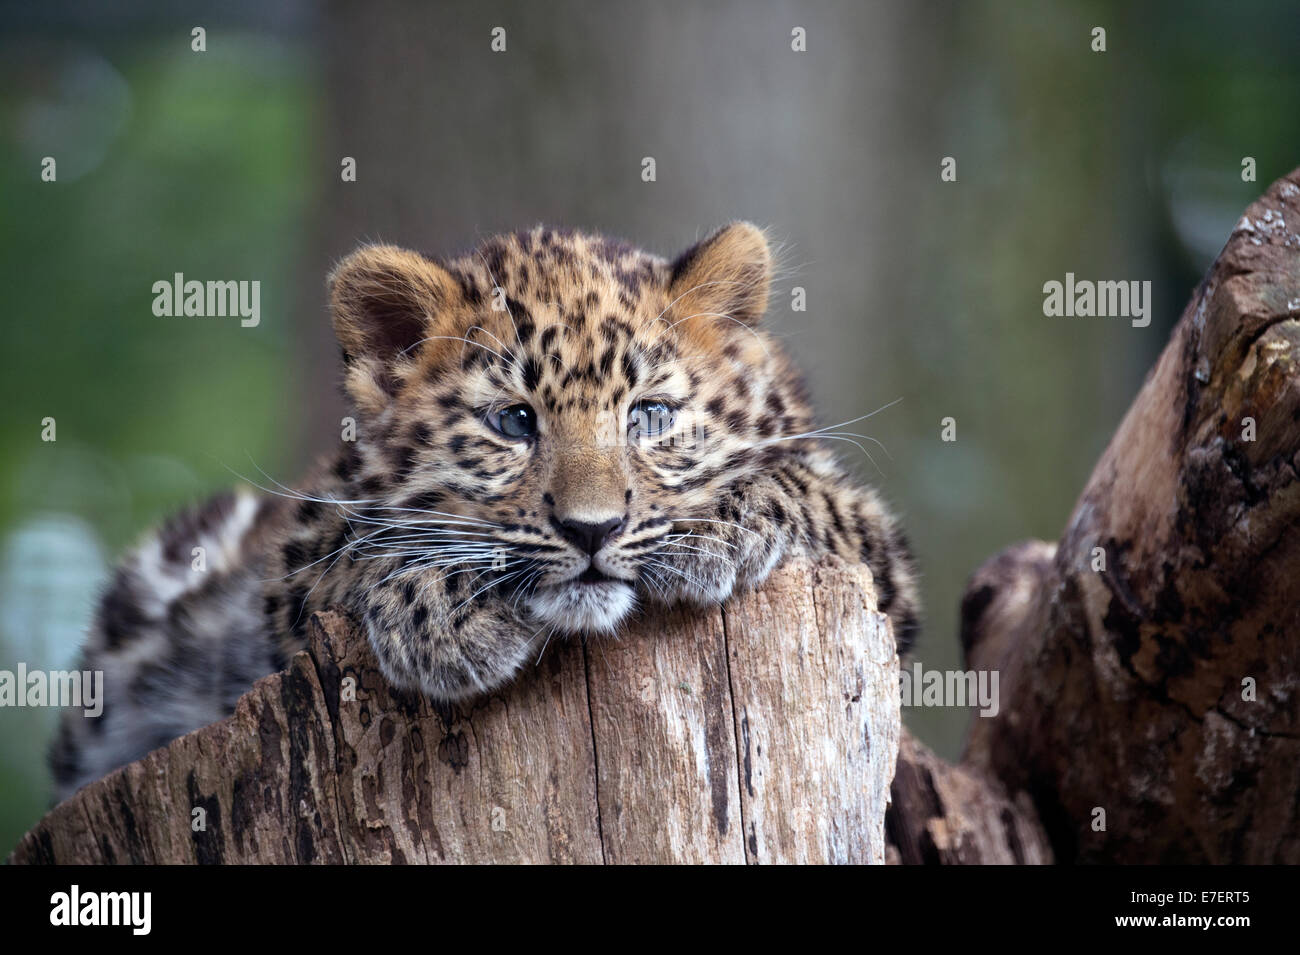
(576, 607)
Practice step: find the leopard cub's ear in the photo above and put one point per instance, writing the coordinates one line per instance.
(384, 301)
(726, 276)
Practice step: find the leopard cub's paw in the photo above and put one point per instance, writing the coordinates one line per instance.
(446, 658)
(703, 565)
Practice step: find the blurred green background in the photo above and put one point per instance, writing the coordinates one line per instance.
(226, 164)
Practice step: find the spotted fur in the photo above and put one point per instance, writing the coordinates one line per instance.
(460, 549)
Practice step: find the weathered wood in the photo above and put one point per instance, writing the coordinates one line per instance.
(1124, 689)
(666, 753)
(622, 751)
(419, 783)
(818, 739)
(955, 815)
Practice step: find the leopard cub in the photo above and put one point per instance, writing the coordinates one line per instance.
(550, 432)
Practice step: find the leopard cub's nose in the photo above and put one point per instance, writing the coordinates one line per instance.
(588, 537)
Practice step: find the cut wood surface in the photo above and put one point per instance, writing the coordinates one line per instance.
(767, 733)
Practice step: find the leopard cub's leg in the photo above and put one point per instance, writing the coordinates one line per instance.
(704, 560)
(449, 633)
(804, 505)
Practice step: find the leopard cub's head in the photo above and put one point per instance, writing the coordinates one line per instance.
(538, 415)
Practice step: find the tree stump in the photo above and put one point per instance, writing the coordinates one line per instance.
(767, 732)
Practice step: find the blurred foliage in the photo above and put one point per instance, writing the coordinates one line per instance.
(167, 161)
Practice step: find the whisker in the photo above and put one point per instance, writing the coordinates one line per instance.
(454, 338)
(504, 298)
(689, 578)
(706, 520)
(705, 537)
(829, 427)
(701, 550)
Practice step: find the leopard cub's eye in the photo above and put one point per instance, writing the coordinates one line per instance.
(651, 418)
(517, 421)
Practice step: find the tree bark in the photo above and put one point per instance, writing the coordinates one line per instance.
(765, 733)
(957, 815)
(1150, 661)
